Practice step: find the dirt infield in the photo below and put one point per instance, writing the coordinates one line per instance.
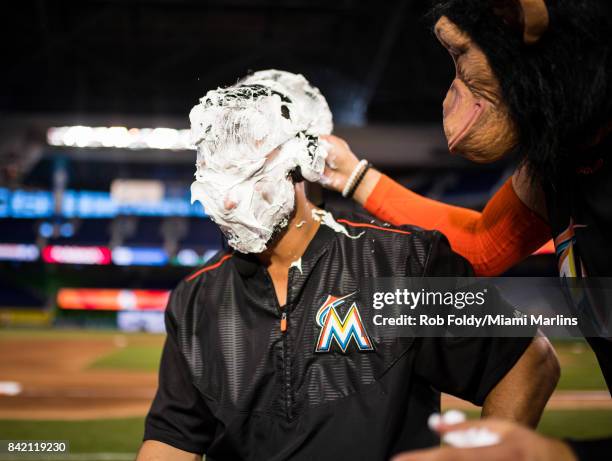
(58, 382)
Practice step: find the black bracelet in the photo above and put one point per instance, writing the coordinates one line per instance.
(352, 190)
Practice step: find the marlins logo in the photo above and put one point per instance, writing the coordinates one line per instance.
(570, 264)
(341, 330)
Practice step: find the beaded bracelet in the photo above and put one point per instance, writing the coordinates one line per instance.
(358, 180)
(352, 178)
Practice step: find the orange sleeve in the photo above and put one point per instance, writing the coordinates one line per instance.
(503, 234)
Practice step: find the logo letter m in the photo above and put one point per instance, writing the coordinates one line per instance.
(341, 330)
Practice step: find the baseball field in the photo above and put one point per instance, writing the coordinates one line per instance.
(93, 388)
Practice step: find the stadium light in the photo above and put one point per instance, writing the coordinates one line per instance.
(72, 254)
(18, 252)
(139, 256)
(120, 137)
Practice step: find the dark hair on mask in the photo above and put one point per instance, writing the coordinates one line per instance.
(558, 90)
(296, 175)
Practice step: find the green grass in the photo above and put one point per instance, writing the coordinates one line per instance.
(89, 436)
(580, 424)
(125, 435)
(579, 367)
(142, 358)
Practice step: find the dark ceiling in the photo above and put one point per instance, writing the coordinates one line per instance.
(376, 61)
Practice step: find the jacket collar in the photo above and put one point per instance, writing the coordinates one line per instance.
(248, 264)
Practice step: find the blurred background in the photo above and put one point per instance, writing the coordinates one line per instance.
(96, 224)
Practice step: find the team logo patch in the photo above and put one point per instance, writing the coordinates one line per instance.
(341, 330)
(570, 264)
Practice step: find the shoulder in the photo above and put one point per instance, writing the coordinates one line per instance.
(185, 294)
(424, 250)
(370, 226)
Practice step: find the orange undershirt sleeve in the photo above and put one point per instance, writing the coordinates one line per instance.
(493, 240)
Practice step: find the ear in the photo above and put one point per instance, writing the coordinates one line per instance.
(528, 17)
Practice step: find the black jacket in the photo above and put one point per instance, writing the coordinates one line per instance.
(234, 386)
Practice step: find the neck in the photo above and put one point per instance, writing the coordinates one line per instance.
(300, 230)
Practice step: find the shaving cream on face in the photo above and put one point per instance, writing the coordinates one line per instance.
(249, 137)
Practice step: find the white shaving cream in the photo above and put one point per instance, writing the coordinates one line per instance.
(249, 137)
(297, 264)
(327, 219)
(465, 438)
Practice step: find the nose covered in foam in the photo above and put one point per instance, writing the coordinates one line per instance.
(249, 137)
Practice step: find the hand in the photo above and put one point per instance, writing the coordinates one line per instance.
(339, 165)
(517, 444)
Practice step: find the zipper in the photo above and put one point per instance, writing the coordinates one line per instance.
(284, 327)
(285, 353)
(288, 391)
